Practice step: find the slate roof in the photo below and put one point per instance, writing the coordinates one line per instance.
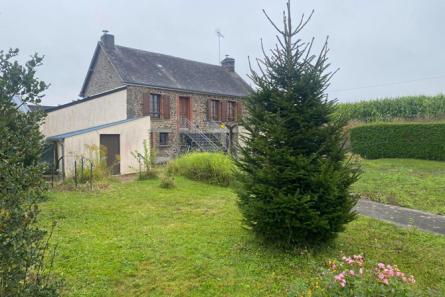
(87, 130)
(140, 67)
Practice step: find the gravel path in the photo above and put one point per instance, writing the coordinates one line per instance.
(402, 216)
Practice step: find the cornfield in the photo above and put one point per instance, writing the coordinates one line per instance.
(393, 109)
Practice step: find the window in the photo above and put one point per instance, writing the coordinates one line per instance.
(231, 111)
(155, 105)
(214, 110)
(163, 138)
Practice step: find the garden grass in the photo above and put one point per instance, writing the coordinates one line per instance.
(137, 239)
(410, 183)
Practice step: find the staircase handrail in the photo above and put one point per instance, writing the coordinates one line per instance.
(195, 129)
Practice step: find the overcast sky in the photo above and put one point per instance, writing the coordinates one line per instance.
(374, 43)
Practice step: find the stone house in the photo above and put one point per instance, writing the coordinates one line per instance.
(177, 105)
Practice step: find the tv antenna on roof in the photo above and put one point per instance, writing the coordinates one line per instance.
(219, 35)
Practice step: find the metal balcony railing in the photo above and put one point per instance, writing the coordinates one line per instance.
(199, 138)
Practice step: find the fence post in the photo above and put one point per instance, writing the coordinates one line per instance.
(91, 175)
(81, 170)
(75, 173)
(52, 175)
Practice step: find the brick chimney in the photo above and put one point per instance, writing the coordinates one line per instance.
(107, 39)
(228, 64)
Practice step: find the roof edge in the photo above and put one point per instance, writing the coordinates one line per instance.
(99, 47)
(91, 129)
(182, 90)
(87, 98)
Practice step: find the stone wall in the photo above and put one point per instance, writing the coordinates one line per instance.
(103, 78)
(198, 115)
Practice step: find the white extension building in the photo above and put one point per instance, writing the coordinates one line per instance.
(100, 121)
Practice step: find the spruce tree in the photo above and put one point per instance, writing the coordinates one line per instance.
(294, 176)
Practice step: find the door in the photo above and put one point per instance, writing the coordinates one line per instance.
(184, 111)
(111, 144)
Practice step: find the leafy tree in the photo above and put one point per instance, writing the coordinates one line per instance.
(294, 177)
(22, 243)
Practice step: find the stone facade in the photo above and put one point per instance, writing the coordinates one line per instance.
(199, 116)
(103, 78)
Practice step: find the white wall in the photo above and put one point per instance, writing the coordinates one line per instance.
(132, 136)
(101, 110)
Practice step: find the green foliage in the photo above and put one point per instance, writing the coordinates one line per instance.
(213, 168)
(189, 241)
(22, 246)
(355, 277)
(146, 160)
(294, 179)
(399, 140)
(389, 109)
(167, 181)
(409, 183)
(96, 157)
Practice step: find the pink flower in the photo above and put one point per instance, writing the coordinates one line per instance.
(381, 265)
(340, 278)
(351, 272)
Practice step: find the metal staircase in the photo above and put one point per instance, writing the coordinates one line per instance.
(198, 139)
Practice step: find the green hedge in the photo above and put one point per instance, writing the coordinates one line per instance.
(212, 168)
(389, 109)
(393, 140)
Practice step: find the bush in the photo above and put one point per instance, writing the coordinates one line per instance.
(393, 140)
(24, 268)
(95, 156)
(389, 109)
(352, 276)
(167, 181)
(146, 160)
(212, 168)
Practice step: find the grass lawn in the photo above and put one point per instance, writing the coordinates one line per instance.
(411, 183)
(136, 239)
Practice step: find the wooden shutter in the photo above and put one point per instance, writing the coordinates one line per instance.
(224, 106)
(145, 104)
(209, 109)
(165, 103)
(239, 111)
(220, 110)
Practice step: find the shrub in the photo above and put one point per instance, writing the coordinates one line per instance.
(146, 160)
(294, 181)
(24, 271)
(167, 181)
(95, 157)
(353, 277)
(393, 140)
(213, 168)
(389, 109)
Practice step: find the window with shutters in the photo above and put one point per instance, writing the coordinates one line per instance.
(155, 106)
(163, 138)
(231, 111)
(215, 110)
